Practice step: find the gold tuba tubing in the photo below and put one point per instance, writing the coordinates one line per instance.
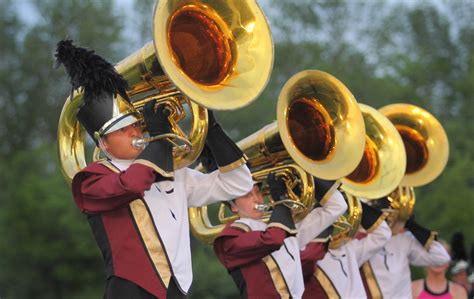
(346, 226)
(426, 142)
(383, 164)
(402, 201)
(206, 231)
(213, 54)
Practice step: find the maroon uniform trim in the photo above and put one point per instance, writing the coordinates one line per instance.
(97, 188)
(313, 252)
(151, 240)
(326, 284)
(247, 255)
(123, 227)
(277, 277)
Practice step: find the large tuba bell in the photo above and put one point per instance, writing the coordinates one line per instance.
(213, 54)
(320, 125)
(383, 164)
(319, 132)
(426, 143)
(427, 150)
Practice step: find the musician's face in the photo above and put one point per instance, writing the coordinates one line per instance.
(245, 205)
(119, 143)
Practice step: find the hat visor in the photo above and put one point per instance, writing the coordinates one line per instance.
(126, 120)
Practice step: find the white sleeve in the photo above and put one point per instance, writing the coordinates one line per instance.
(436, 255)
(365, 248)
(320, 218)
(202, 189)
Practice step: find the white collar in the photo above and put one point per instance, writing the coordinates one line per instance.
(121, 164)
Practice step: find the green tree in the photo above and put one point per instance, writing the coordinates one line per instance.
(10, 26)
(46, 246)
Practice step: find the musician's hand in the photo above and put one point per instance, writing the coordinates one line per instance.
(277, 187)
(281, 213)
(156, 120)
(297, 190)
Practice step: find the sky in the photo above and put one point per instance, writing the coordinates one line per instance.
(29, 15)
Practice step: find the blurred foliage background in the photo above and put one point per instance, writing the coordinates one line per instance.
(419, 52)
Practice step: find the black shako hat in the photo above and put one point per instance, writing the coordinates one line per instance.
(106, 106)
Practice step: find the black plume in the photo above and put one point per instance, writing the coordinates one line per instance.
(89, 71)
(457, 247)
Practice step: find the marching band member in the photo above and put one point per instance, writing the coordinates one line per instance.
(264, 259)
(337, 274)
(387, 273)
(135, 202)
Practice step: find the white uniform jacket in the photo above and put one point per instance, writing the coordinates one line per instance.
(168, 203)
(288, 256)
(338, 272)
(389, 269)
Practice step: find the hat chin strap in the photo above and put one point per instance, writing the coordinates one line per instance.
(103, 149)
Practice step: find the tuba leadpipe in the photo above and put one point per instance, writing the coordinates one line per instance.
(206, 231)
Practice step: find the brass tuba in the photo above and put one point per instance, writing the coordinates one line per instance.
(319, 132)
(402, 201)
(383, 164)
(427, 151)
(206, 231)
(426, 142)
(346, 226)
(204, 53)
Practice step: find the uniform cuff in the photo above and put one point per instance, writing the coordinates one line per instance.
(158, 156)
(324, 189)
(325, 236)
(421, 234)
(371, 217)
(226, 153)
(233, 165)
(433, 236)
(282, 218)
